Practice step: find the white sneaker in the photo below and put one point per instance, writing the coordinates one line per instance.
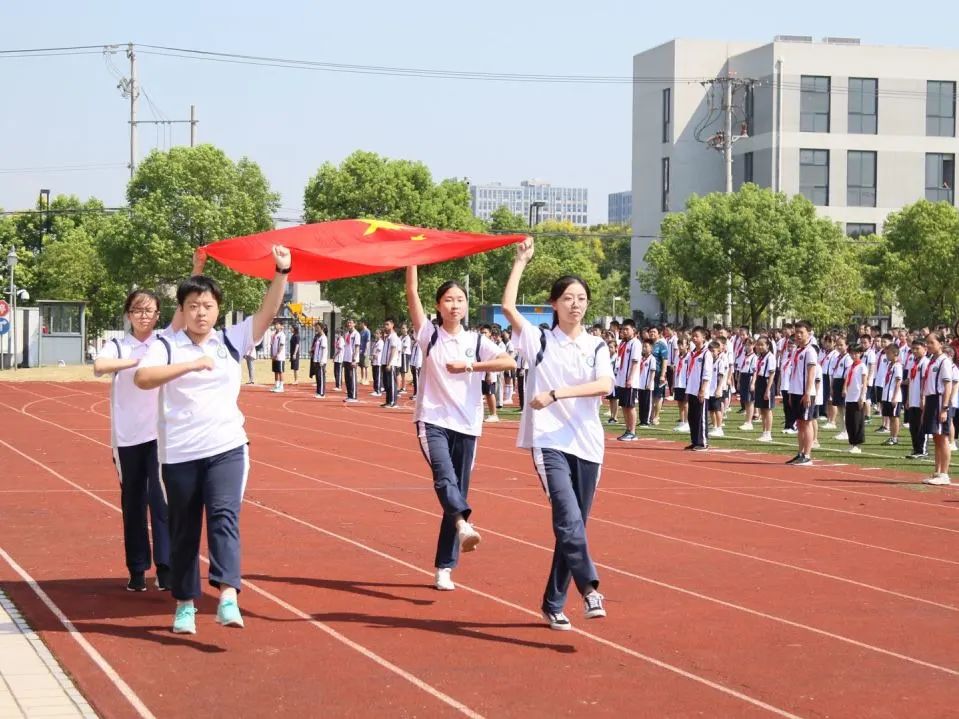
(492, 418)
(855, 449)
(682, 427)
(746, 426)
(765, 437)
(790, 431)
(954, 448)
(816, 445)
(718, 432)
(469, 537)
(278, 390)
(940, 480)
(444, 580)
(830, 425)
(842, 437)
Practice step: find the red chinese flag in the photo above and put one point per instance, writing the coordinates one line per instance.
(349, 248)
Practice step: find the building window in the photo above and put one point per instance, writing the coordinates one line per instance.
(940, 109)
(665, 197)
(748, 167)
(61, 319)
(940, 177)
(814, 176)
(667, 115)
(861, 179)
(814, 104)
(860, 229)
(863, 106)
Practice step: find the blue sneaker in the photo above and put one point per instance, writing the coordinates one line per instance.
(184, 620)
(228, 614)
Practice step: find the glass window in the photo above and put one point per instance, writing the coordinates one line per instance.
(861, 179)
(814, 104)
(940, 109)
(814, 176)
(667, 115)
(863, 106)
(860, 229)
(748, 167)
(61, 319)
(940, 177)
(665, 178)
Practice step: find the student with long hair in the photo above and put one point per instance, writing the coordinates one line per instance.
(449, 411)
(569, 373)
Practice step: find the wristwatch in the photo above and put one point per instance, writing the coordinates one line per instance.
(284, 272)
(469, 365)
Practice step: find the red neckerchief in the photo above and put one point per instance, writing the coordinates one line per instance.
(682, 359)
(642, 365)
(851, 371)
(621, 350)
(925, 375)
(692, 361)
(915, 368)
(891, 366)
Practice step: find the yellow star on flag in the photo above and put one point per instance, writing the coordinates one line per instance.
(418, 238)
(374, 225)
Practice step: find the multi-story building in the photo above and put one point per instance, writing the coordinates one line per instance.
(558, 203)
(620, 208)
(859, 130)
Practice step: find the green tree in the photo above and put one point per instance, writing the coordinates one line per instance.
(918, 262)
(178, 201)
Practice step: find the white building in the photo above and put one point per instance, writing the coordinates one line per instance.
(558, 203)
(620, 208)
(859, 130)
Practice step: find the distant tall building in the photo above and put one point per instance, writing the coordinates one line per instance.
(620, 208)
(561, 203)
(859, 130)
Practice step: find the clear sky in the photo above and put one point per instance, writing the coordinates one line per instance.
(66, 111)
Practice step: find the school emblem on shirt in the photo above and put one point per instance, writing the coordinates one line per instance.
(221, 352)
(470, 353)
(590, 361)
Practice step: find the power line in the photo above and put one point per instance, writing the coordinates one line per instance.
(61, 168)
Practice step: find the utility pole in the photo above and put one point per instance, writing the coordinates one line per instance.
(193, 124)
(134, 94)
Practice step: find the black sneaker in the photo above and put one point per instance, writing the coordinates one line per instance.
(163, 578)
(912, 455)
(610, 420)
(802, 461)
(700, 448)
(137, 583)
(689, 447)
(594, 607)
(794, 459)
(891, 442)
(557, 621)
(882, 430)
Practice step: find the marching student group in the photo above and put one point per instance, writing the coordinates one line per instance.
(181, 451)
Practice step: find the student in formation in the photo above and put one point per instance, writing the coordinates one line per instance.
(569, 374)
(416, 365)
(699, 377)
(488, 385)
(819, 403)
(391, 361)
(522, 367)
(630, 351)
(840, 371)
(802, 392)
(319, 356)
(854, 391)
(939, 387)
(250, 359)
(827, 354)
(610, 399)
(406, 351)
(786, 366)
(646, 383)
(449, 411)
(892, 393)
(717, 388)
(509, 375)
(678, 383)
(661, 358)
(833, 357)
(915, 370)
(376, 362)
(762, 387)
(278, 355)
(364, 363)
(202, 444)
(870, 358)
(954, 411)
(351, 360)
(878, 382)
(295, 352)
(747, 386)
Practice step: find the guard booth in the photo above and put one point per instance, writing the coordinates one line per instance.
(63, 332)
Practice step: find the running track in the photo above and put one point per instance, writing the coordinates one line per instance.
(735, 586)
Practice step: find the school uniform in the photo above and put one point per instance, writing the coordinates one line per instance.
(934, 379)
(614, 365)
(870, 359)
(391, 360)
(203, 454)
(351, 355)
(799, 388)
(747, 368)
(133, 436)
(698, 373)
(416, 363)
(892, 389)
(671, 374)
(376, 358)
(522, 368)
(338, 345)
(406, 350)
(882, 363)
(646, 393)
(954, 411)
(449, 420)
(679, 377)
(319, 359)
(828, 361)
(914, 395)
(661, 359)
(278, 351)
(838, 372)
(820, 391)
(629, 355)
(295, 352)
(567, 442)
(854, 390)
(785, 381)
(720, 371)
(730, 358)
(765, 378)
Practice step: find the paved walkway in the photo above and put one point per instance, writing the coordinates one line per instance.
(32, 682)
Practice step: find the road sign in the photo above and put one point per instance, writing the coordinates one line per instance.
(4, 325)
(4, 308)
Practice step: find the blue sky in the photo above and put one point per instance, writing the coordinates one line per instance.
(60, 111)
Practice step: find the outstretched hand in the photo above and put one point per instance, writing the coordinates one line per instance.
(524, 251)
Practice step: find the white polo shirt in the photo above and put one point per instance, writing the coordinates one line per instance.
(377, 353)
(351, 347)
(570, 425)
(915, 381)
(819, 387)
(416, 356)
(452, 401)
(892, 372)
(882, 366)
(679, 376)
(855, 382)
(338, 345)
(802, 360)
(748, 363)
(840, 366)
(407, 346)
(766, 366)
(392, 351)
(629, 353)
(700, 366)
(936, 375)
(955, 391)
(321, 350)
(647, 372)
(278, 346)
(133, 411)
(198, 414)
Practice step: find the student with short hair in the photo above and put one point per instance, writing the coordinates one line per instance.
(855, 389)
(510, 375)
(278, 355)
(802, 392)
(699, 374)
(648, 378)
(954, 410)
(892, 393)
(561, 427)
(918, 362)
(416, 364)
(882, 364)
(627, 377)
(392, 361)
(827, 354)
(938, 389)
(295, 352)
(351, 358)
(338, 345)
(376, 362)
(762, 387)
(870, 358)
(202, 445)
(449, 411)
(717, 387)
(786, 367)
(840, 370)
(748, 362)
(660, 354)
(679, 383)
(319, 356)
(614, 364)
(364, 363)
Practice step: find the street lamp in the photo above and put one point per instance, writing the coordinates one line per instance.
(615, 300)
(12, 263)
(535, 205)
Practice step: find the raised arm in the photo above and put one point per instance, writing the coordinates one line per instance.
(274, 295)
(413, 302)
(524, 253)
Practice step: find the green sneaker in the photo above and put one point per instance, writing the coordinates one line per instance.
(228, 614)
(184, 620)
